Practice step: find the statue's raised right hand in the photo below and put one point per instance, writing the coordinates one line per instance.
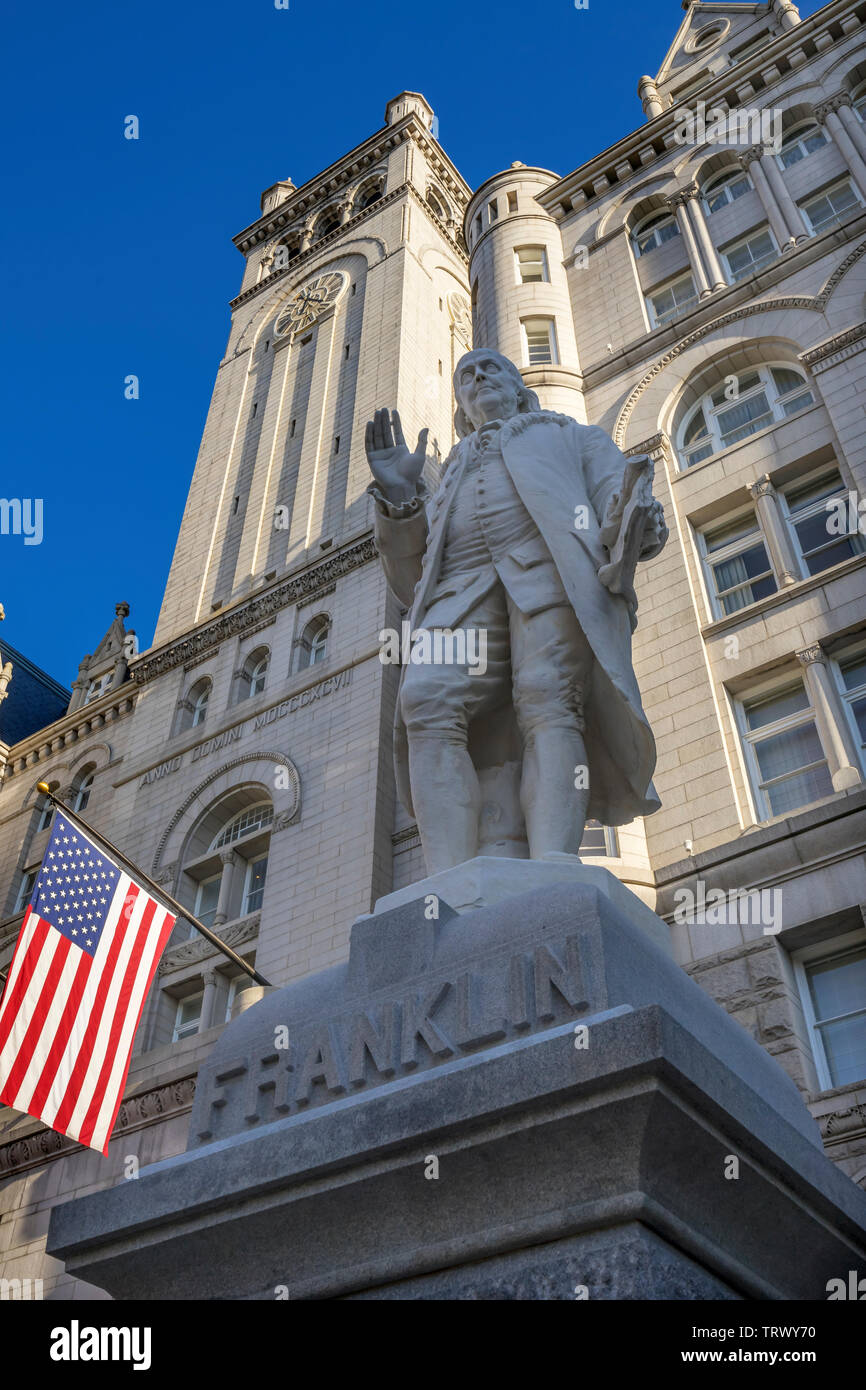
(395, 469)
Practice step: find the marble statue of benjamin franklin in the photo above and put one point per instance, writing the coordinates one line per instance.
(531, 538)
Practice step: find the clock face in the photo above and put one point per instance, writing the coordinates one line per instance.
(308, 304)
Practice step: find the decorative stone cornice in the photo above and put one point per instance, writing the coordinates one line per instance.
(247, 615)
(657, 447)
(136, 1112)
(835, 350)
(46, 743)
(199, 948)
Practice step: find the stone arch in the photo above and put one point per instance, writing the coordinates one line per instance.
(371, 249)
(287, 802)
(615, 217)
(648, 401)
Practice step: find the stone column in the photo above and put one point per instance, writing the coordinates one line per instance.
(650, 97)
(828, 114)
(842, 755)
(712, 264)
(775, 531)
(306, 238)
(793, 217)
(754, 162)
(854, 127)
(345, 212)
(789, 15)
(211, 981)
(677, 203)
(229, 862)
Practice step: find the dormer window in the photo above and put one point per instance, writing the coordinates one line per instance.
(98, 686)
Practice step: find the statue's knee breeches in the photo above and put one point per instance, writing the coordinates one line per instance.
(434, 700)
(553, 673)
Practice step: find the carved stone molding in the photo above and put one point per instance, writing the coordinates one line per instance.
(843, 1124)
(762, 487)
(199, 948)
(835, 350)
(834, 103)
(251, 613)
(316, 597)
(812, 656)
(259, 756)
(200, 660)
(136, 1112)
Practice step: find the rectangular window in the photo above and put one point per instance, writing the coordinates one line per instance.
(188, 1016)
(512, 202)
(812, 519)
(748, 255)
(599, 840)
(493, 209)
(832, 980)
(852, 672)
(254, 887)
(788, 766)
(540, 341)
(826, 208)
(530, 264)
(26, 889)
(206, 898)
(672, 300)
(737, 566)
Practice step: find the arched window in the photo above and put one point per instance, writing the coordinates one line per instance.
(193, 708)
(801, 141)
(369, 194)
(653, 231)
(254, 673)
(82, 787)
(246, 822)
(45, 807)
(725, 187)
(328, 222)
(313, 642)
(740, 406)
(435, 205)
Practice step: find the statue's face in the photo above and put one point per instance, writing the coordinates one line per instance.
(485, 387)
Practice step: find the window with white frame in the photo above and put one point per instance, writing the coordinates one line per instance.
(653, 231)
(254, 884)
(82, 787)
(725, 188)
(736, 565)
(246, 822)
(254, 673)
(832, 981)
(859, 104)
(744, 404)
(540, 341)
(599, 840)
(801, 141)
(824, 209)
(787, 765)
(852, 681)
(808, 508)
(530, 264)
(25, 889)
(206, 899)
(669, 301)
(312, 645)
(187, 1018)
(750, 253)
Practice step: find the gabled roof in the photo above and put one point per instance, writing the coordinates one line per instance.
(734, 25)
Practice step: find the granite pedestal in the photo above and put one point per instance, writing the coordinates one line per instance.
(528, 1100)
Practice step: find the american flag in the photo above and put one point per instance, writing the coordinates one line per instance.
(87, 951)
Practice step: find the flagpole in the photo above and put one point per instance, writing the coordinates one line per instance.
(177, 908)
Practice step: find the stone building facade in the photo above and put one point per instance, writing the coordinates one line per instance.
(699, 296)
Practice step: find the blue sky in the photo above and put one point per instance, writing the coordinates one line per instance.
(120, 252)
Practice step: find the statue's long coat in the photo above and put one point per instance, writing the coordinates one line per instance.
(556, 465)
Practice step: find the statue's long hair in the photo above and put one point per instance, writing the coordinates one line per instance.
(526, 400)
